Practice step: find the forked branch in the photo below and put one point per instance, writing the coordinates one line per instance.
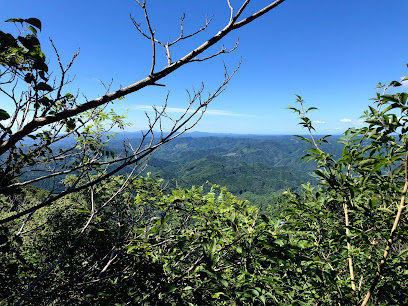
(184, 123)
(151, 79)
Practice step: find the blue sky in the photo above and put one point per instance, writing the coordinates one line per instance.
(333, 53)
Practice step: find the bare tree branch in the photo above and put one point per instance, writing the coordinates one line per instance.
(153, 77)
(139, 156)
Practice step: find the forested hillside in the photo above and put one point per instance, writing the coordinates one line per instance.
(258, 165)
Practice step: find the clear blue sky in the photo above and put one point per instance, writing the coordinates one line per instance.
(333, 53)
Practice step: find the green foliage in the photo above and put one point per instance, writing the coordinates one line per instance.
(355, 215)
(238, 177)
(23, 53)
(23, 61)
(152, 246)
(166, 247)
(258, 165)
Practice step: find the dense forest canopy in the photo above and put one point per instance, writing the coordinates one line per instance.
(102, 233)
(253, 165)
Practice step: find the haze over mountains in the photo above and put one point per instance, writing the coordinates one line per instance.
(246, 164)
(251, 166)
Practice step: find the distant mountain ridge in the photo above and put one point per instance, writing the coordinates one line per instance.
(246, 164)
(257, 165)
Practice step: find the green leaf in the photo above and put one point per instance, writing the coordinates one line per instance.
(70, 124)
(29, 77)
(8, 40)
(395, 84)
(392, 98)
(130, 249)
(34, 22)
(4, 115)
(43, 86)
(32, 29)
(171, 289)
(310, 108)
(403, 253)
(217, 296)
(232, 217)
(294, 109)
(384, 209)
(30, 42)
(83, 211)
(45, 101)
(254, 292)
(224, 282)
(321, 173)
(265, 218)
(21, 20)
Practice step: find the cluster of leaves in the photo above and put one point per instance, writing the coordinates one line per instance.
(23, 55)
(182, 247)
(360, 204)
(152, 246)
(35, 158)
